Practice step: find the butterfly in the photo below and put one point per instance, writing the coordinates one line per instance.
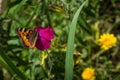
(29, 37)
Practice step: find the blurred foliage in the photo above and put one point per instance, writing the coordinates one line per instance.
(97, 17)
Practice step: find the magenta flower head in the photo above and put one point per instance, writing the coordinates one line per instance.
(44, 37)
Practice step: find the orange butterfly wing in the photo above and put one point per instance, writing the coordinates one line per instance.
(28, 36)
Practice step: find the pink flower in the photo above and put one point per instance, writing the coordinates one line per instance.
(44, 37)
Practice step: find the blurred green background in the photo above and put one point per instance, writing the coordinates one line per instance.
(95, 18)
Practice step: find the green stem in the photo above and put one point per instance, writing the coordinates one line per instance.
(50, 62)
(95, 56)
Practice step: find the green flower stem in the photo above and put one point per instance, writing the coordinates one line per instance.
(96, 55)
(50, 64)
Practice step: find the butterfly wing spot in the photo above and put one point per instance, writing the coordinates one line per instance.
(28, 37)
(25, 40)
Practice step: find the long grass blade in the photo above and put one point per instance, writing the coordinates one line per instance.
(70, 46)
(10, 66)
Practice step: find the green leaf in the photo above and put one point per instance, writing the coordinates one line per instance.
(7, 63)
(84, 25)
(117, 77)
(15, 9)
(70, 46)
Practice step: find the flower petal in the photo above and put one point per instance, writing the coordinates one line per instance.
(44, 37)
(47, 33)
(42, 44)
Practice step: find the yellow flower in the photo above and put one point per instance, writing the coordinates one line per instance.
(88, 74)
(107, 41)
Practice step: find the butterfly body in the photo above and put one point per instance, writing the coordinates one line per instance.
(29, 37)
